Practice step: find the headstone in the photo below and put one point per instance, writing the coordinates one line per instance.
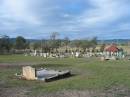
(35, 52)
(44, 55)
(77, 54)
(29, 73)
(102, 59)
(41, 54)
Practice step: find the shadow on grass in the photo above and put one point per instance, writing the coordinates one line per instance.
(66, 76)
(51, 65)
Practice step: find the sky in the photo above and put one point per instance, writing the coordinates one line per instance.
(76, 19)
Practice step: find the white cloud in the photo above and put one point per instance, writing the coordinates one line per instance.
(91, 17)
(102, 13)
(18, 11)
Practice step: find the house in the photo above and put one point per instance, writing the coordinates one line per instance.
(112, 51)
(112, 48)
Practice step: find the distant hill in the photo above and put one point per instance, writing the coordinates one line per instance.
(116, 41)
(28, 40)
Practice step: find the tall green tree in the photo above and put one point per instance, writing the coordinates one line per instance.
(20, 43)
(85, 44)
(5, 44)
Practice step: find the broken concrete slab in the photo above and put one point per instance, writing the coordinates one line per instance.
(30, 73)
(49, 75)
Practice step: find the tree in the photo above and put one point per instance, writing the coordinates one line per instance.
(54, 35)
(76, 43)
(45, 45)
(20, 43)
(54, 42)
(85, 44)
(5, 44)
(36, 45)
(102, 47)
(93, 42)
(66, 42)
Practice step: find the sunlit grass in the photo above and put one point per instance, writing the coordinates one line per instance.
(88, 74)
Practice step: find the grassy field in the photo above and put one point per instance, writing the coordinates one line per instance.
(88, 75)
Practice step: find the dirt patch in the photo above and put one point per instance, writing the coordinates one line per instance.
(23, 92)
(117, 93)
(14, 92)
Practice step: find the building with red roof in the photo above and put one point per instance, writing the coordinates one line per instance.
(112, 48)
(112, 51)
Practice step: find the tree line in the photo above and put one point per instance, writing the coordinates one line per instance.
(8, 46)
(20, 44)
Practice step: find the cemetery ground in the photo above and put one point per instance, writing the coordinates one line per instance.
(90, 77)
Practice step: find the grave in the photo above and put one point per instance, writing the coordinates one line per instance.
(43, 74)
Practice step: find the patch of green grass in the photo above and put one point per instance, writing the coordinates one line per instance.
(19, 58)
(89, 74)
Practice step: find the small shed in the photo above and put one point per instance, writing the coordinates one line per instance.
(112, 48)
(113, 51)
